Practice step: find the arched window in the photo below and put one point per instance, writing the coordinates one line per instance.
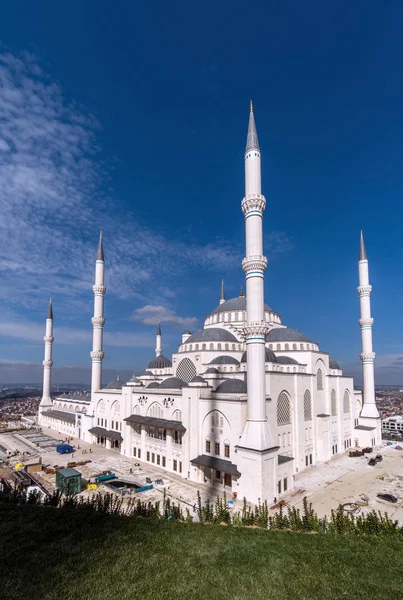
(197, 347)
(116, 408)
(155, 410)
(270, 346)
(177, 415)
(294, 346)
(319, 380)
(233, 346)
(278, 346)
(204, 346)
(283, 409)
(346, 402)
(301, 346)
(226, 346)
(307, 406)
(333, 403)
(136, 410)
(101, 405)
(211, 346)
(186, 370)
(287, 347)
(218, 346)
(284, 439)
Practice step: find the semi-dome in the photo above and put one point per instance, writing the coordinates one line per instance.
(198, 379)
(333, 364)
(224, 360)
(115, 385)
(160, 362)
(232, 386)
(212, 370)
(153, 384)
(212, 334)
(287, 360)
(285, 334)
(236, 304)
(173, 382)
(269, 356)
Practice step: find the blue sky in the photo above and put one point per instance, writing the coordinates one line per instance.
(132, 117)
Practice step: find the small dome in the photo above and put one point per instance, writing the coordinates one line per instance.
(212, 370)
(333, 364)
(224, 360)
(269, 356)
(197, 379)
(115, 385)
(160, 362)
(144, 373)
(212, 334)
(287, 360)
(134, 378)
(232, 386)
(285, 334)
(236, 304)
(153, 384)
(174, 383)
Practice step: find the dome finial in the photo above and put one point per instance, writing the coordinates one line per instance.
(241, 292)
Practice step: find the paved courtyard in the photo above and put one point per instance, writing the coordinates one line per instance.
(340, 480)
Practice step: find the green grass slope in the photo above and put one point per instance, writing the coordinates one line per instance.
(49, 554)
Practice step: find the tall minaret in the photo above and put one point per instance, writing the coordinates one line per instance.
(46, 400)
(256, 440)
(222, 295)
(98, 320)
(367, 355)
(158, 345)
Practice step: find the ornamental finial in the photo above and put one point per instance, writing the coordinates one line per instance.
(250, 106)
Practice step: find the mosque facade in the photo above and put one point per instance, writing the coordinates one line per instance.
(246, 403)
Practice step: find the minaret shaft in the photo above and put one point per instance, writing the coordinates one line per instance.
(47, 362)
(158, 341)
(367, 355)
(98, 320)
(256, 434)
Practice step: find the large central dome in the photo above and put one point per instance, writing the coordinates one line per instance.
(236, 304)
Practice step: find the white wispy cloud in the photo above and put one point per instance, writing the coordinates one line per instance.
(53, 201)
(152, 314)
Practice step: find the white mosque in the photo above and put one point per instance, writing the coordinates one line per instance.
(245, 403)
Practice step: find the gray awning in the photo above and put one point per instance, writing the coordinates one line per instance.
(112, 435)
(364, 428)
(284, 459)
(216, 463)
(165, 423)
(59, 414)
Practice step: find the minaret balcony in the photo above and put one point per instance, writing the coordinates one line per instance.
(98, 321)
(366, 322)
(254, 263)
(367, 356)
(253, 202)
(99, 289)
(97, 354)
(257, 329)
(364, 290)
(48, 338)
(47, 363)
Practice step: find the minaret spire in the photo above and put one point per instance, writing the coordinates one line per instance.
(46, 400)
(100, 253)
(369, 409)
(256, 448)
(252, 142)
(222, 295)
(98, 320)
(363, 252)
(158, 345)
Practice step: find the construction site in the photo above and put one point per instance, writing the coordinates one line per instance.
(37, 460)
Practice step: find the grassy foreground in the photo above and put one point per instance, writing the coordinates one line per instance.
(48, 553)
